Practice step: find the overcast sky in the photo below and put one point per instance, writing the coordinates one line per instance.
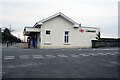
(93, 13)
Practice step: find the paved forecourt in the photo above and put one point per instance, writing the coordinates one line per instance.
(60, 63)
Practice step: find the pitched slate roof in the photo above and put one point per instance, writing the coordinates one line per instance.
(55, 15)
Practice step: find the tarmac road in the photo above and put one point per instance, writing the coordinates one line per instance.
(60, 63)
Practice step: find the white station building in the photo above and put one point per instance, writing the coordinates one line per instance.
(59, 31)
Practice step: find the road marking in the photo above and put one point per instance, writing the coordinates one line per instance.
(81, 54)
(100, 53)
(113, 54)
(24, 56)
(92, 54)
(72, 55)
(105, 49)
(84, 55)
(104, 54)
(37, 56)
(114, 62)
(50, 56)
(62, 55)
(110, 49)
(116, 52)
(9, 57)
(108, 53)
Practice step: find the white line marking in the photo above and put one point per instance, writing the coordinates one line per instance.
(50, 56)
(104, 54)
(74, 55)
(9, 57)
(114, 62)
(105, 49)
(92, 54)
(108, 53)
(81, 54)
(101, 53)
(113, 54)
(24, 56)
(84, 55)
(62, 55)
(110, 49)
(116, 52)
(37, 56)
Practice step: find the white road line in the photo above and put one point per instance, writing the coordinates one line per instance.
(110, 49)
(100, 53)
(114, 62)
(113, 54)
(74, 55)
(92, 54)
(94, 49)
(9, 57)
(104, 54)
(116, 52)
(105, 49)
(108, 53)
(24, 57)
(81, 54)
(37, 56)
(50, 56)
(84, 55)
(62, 55)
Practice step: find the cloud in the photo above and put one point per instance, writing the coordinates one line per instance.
(102, 13)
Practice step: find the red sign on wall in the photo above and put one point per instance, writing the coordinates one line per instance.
(81, 30)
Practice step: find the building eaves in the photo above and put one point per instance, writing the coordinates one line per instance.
(55, 15)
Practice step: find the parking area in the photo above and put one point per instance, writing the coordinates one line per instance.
(60, 63)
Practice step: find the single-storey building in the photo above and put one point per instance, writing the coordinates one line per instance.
(59, 31)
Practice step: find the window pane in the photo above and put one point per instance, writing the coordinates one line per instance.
(66, 32)
(67, 37)
(48, 32)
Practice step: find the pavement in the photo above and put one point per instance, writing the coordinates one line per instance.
(17, 45)
(60, 63)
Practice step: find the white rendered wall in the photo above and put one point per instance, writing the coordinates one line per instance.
(58, 26)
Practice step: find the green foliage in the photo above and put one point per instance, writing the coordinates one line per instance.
(8, 37)
(7, 31)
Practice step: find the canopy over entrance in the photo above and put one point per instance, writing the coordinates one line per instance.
(28, 30)
(34, 34)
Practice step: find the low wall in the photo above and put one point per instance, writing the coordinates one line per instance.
(106, 43)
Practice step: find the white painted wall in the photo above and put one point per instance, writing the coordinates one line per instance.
(58, 26)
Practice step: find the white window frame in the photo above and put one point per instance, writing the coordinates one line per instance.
(67, 37)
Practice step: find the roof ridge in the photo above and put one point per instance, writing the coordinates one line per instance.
(55, 15)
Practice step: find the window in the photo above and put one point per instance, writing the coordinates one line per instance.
(92, 31)
(66, 37)
(47, 32)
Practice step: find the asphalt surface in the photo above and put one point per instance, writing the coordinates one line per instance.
(60, 63)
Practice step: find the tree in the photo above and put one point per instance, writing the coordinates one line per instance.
(8, 37)
(7, 31)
